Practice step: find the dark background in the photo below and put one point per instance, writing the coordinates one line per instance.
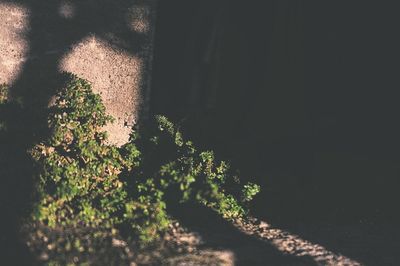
(301, 96)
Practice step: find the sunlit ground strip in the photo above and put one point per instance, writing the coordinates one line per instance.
(294, 245)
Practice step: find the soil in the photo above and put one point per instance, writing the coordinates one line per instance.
(242, 242)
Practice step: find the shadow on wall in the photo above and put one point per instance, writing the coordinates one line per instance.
(299, 95)
(52, 29)
(108, 43)
(233, 76)
(218, 69)
(38, 39)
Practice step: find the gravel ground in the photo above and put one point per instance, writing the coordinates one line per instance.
(243, 242)
(292, 244)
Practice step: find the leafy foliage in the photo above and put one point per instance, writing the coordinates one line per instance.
(3, 100)
(86, 181)
(3, 93)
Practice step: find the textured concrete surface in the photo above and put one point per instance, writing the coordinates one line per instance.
(115, 74)
(13, 44)
(109, 43)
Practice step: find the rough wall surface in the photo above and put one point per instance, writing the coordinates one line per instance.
(107, 42)
(13, 44)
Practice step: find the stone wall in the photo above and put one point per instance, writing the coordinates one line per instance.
(107, 42)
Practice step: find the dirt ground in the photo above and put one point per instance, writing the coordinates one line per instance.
(243, 242)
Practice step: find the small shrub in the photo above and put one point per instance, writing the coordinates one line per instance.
(79, 181)
(249, 191)
(3, 93)
(3, 101)
(85, 181)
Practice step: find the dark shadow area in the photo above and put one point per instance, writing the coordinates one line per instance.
(16, 170)
(219, 234)
(49, 36)
(301, 96)
(365, 241)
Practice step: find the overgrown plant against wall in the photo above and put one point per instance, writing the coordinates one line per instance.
(83, 180)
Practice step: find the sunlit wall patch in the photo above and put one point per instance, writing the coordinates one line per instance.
(138, 18)
(14, 25)
(67, 9)
(115, 74)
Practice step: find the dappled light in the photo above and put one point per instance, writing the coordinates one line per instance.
(138, 19)
(274, 140)
(67, 9)
(292, 244)
(113, 73)
(14, 46)
(39, 40)
(107, 42)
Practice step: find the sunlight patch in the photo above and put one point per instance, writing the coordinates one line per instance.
(294, 245)
(138, 19)
(66, 10)
(13, 43)
(115, 75)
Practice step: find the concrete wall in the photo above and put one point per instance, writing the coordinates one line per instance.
(108, 42)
